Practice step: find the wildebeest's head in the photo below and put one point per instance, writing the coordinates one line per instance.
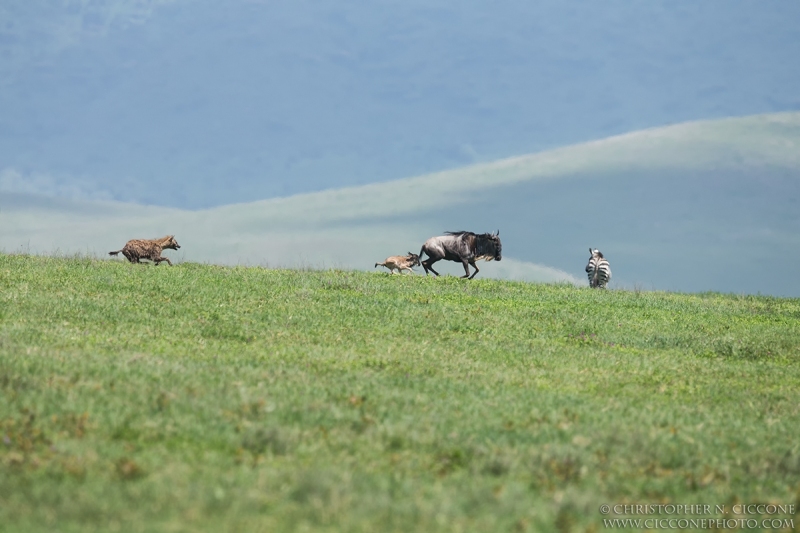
(413, 259)
(488, 246)
(498, 246)
(171, 243)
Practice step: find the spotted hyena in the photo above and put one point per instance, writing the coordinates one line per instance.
(151, 249)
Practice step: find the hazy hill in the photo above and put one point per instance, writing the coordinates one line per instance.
(188, 104)
(699, 206)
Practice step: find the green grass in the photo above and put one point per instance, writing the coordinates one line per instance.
(202, 398)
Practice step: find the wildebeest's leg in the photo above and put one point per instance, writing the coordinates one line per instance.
(466, 268)
(472, 262)
(428, 265)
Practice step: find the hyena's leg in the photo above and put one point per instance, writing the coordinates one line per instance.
(159, 259)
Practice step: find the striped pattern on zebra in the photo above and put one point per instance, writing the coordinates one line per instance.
(598, 270)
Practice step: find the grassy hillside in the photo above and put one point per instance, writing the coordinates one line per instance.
(205, 398)
(699, 206)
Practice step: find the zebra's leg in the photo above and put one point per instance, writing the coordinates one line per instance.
(475, 267)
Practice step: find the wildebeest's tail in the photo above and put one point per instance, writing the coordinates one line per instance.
(114, 253)
(422, 250)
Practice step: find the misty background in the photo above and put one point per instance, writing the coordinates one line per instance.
(196, 103)
(321, 133)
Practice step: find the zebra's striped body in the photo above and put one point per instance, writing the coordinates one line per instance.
(598, 270)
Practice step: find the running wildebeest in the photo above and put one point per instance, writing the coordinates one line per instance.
(462, 246)
(400, 262)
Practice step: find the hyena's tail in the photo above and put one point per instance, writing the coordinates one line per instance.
(114, 253)
(378, 264)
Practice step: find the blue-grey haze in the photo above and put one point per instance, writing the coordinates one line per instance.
(199, 103)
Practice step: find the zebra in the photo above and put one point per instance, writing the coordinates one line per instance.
(598, 270)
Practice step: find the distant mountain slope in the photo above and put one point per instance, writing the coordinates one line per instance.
(186, 103)
(711, 205)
